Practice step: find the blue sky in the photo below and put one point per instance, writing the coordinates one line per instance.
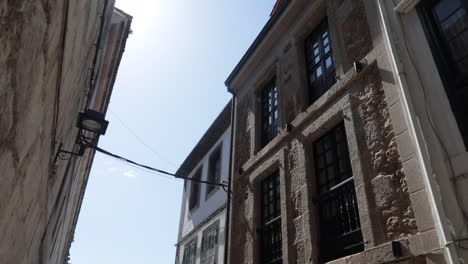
(169, 89)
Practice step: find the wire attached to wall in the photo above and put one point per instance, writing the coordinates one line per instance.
(55, 119)
(159, 171)
(92, 83)
(157, 154)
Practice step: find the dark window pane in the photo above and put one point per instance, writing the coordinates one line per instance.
(329, 62)
(339, 217)
(319, 60)
(446, 8)
(214, 173)
(463, 65)
(209, 246)
(270, 112)
(271, 238)
(318, 72)
(195, 191)
(452, 21)
(446, 25)
(190, 252)
(455, 24)
(331, 79)
(458, 46)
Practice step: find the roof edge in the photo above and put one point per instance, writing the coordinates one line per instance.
(207, 141)
(125, 35)
(258, 40)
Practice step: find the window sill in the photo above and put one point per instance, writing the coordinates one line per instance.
(265, 152)
(303, 118)
(412, 247)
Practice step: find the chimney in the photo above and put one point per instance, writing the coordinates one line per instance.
(275, 8)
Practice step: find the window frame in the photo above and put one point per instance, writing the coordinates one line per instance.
(272, 220)
(443, 59)
(337, 193)
(193, 242)
(194, 199)
(269, 132)
(318, 87)
(218, 152)
(213, 227)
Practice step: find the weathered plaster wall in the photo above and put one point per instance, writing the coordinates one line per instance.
(208, 203)
(218, 220)
(30, 63)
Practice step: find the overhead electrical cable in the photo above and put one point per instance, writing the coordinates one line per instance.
(144, 169)
(157, 154)
(157, 170)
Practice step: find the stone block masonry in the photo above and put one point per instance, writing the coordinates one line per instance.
(386, 176)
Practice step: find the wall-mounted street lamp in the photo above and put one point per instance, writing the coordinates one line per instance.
(92, 121)
(91, 125)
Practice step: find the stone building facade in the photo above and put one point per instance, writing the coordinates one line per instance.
(58, 58)
(202, 225)
(348, 143)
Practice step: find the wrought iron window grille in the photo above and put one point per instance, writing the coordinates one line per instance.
(209, 247)
(340, 228)
(190, 253)
(270, 229)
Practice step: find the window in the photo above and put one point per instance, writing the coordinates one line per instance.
(271, 242)
(195, 191)
(319, 59)
(209, 246)
(340, 228)
(446, 25)
(214, 173)
(190, 253)
(269, 112)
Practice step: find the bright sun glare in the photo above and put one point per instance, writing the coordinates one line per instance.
(146, 13)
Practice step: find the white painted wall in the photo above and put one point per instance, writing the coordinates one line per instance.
(208, 204)
(218, 219)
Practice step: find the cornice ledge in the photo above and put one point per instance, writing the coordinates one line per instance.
(406, 6)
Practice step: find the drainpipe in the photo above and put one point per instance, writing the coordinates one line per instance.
(448, 247)
(228, 207)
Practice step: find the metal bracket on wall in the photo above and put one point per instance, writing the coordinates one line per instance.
(66, 155)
